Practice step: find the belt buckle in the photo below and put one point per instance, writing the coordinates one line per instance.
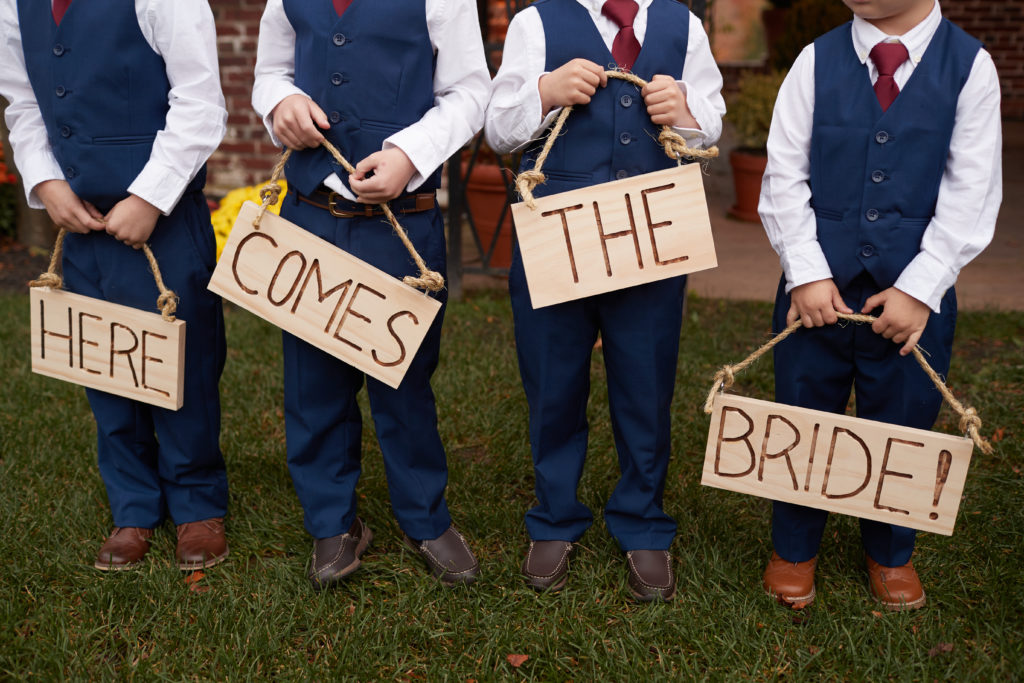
(342, 213)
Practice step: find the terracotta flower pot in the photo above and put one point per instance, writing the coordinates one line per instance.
(747, 171)
(485, 197)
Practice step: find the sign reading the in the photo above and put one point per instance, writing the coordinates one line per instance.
(863, 468)
(615, 235)
(323, 295)
(113, 348)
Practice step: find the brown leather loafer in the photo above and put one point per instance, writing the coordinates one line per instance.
(201, 544)
(123, 549)
(448, 557)
(791, 583)
(897, 588)
(650, 575)
(546, 566)
(336, 557)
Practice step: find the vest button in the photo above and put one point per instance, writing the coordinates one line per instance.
(872, 215)
(60, 91)
(70, 172)
(881, 137)
(339, 39)
(626, 101)
(877, 176)
(335, 116)
(336, 78)
(867, 250)
(625, 138)
(65, 131)
(621, 174)
(58, 49)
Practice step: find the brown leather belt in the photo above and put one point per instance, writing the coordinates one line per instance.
(339, 207)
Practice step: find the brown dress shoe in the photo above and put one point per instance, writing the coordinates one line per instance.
(123, 549)
(201, 544)
(650, 575)
(546, 566)
(897, 588)
(448, 557)
(791, 583)
(336, 557)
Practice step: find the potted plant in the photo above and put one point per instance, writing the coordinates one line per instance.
(750, 112)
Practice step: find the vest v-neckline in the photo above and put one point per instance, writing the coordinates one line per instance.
(910, 81)
(607, 50)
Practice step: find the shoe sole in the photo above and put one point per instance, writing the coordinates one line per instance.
(899, 606)
(538, 584)
(205, 564)
(117, 567)
(794, 603)
(344, 572)
(652, 597)
(440, 572)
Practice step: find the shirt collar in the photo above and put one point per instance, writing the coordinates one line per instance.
(916, 40)
(595, 5)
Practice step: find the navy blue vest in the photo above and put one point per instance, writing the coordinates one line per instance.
(612, 137)
(371, 71)
(875, 176)
(102, 92)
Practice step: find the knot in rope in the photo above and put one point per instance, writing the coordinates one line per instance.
(51, 280)
(525, 182)
(270, 193)
(167, 302)
(428, 279)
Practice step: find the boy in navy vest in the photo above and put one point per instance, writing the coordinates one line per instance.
(397, 87)
(556, 54)
(883, 181)
(114, 109)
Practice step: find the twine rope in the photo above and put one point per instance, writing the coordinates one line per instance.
(167, 301)
(672, 142)
(970, 421)
(271, 193)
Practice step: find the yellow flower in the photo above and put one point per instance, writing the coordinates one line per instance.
(226, 214)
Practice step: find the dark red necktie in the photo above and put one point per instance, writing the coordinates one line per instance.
(59, 8)
(625, 47)
(341, 5)
(887, 58)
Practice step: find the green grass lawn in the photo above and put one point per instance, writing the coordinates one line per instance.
(255, 616)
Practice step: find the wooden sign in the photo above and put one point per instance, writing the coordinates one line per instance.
(615, 235)
(910, 477)
(323, 295)
(113, 348)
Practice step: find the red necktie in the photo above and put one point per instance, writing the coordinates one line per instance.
(625, 47)
(887, 58)
(341, 5)
(59, 8)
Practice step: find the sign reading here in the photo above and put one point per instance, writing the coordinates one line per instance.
(113, 348)
(615, 235)
(323, 295)
(910, 477)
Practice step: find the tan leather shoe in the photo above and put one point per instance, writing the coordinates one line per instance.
(897, 588)
(791, 583)
(650, 575)
(201, 544)
(123, 549)
(546, 566)
(448, 557)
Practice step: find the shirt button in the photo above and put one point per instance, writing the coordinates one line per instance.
(872, 215)
(881, 137)
(877, 176)
(60, 91)
(335, 116)
(626, 101)
(867, 250)
(65, 131)
(621, 174)
(339, 39)
(625, 138)
(58, 49)
(336, 78)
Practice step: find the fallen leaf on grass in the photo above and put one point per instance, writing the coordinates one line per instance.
(940, 648)
(814, 649)
(876, 613)
(517, 660)
(194, 577)
(998, 435)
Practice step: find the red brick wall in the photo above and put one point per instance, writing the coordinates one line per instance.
(1000, 25)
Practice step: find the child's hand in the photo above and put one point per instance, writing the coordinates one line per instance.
(132, 221)
(903, 319)
(391, 173)
(572, 83)
(296, 118)
(66, 209)
(816, 303)
(666, 103)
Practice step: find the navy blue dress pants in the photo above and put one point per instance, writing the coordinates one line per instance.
(818, 367)
(153, 460)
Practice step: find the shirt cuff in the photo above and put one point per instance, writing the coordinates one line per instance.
(420, 150)
(803, 264)
(699, 111)
(270, 101)
(159, 185)
(927, 279)
(35, 170)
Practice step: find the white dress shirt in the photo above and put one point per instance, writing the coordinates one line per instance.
(462, 85)
(514, 117)
(183, 33)
(969, 194)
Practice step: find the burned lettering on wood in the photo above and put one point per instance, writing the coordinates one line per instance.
(745, 438)
(321, 295)
(651, 225)
(355, 313)
(127, 353)
(43, 332)
(155, 359)
(622, 233)
(784, 453)
(828, 465)
(238, 254)
(295, 281)
(810, 457)
(887, 472)
(398, 339)
(565, 231)
(82, 341)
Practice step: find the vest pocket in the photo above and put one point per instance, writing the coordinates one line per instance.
(123, 139)
(828, 214)
(384, 126)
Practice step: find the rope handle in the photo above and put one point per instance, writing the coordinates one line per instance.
(673, 143)
(970, 421)
(271, 193)
(167, 302)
